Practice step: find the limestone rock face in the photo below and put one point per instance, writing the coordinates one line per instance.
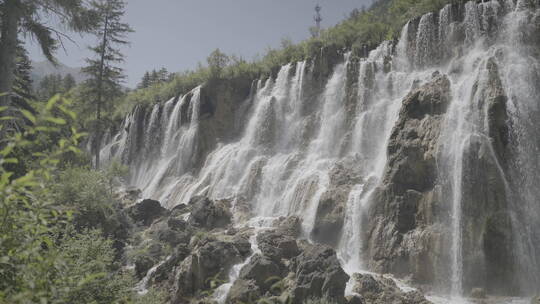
(221, 104)
(488, 244)
(409, 230)
(331, 209)
(405, 233)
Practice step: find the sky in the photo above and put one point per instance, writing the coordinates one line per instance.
(178, 34)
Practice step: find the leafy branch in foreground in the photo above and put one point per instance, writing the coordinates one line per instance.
(28, 258)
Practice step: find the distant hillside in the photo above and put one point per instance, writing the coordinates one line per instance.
(44, 68)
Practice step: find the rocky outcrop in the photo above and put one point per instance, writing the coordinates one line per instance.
(277, 246)
(209, 262)
(222, 103)
(488, 244)
(244, 291)
(318, 274)
(262, 270)
(375, 289)
(332, 205)
(208, 214)
(146, 211)
(128, 196)
(406, 234)
(410, 216)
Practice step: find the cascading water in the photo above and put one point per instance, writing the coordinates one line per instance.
(280, 164)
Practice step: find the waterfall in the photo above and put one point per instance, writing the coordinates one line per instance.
(298, 127)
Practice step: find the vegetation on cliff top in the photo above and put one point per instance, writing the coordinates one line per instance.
(361, 31)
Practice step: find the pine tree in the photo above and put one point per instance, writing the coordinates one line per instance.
(163, 75)
(26, 18)
(154, 77)
(145, 81)
(50, 85)
(105, 76)
(68, 83)
(23, 80)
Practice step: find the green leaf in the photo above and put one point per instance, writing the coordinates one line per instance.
(52, 102)
(56, 120)
(9, 161)
(28, 115)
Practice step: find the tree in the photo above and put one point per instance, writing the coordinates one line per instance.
(163, 75)
(145, 81)
(217, 61)
(68, 82)
(105, 76)
(49, 86)
(22, 87)
(26, 18)
(154, 77)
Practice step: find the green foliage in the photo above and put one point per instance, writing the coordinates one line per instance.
(217, 61)
(28, 258)
(49, 252)
(114, 174)
(88, 194)
(23, 80)
(89, 273)
(154, 296)
(154, 77)
(53, 84)
(319, 301)
(51, 134)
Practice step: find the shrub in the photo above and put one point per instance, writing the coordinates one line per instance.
(88, 273)
(88, 195)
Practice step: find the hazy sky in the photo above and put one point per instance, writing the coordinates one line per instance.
(177, 34)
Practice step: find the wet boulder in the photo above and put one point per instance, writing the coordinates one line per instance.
(375, 289)
(262, 271)
(289, 226)
(318, 274)
(166, 269)
(128, 196)
(244, 291)
(146, 211)
(209, 214)
(174, 237)
(478, 293)
(209, 262)
(242, 244)
(177, 224)
(277, 246)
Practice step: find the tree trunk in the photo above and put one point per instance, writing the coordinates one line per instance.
(100, 90)
(8, 47)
